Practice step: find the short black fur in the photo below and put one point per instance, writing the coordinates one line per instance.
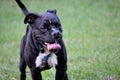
(41, 28)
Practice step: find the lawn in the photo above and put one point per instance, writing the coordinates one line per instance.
(91, 34)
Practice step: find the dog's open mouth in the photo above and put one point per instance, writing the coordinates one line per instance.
(53, 46)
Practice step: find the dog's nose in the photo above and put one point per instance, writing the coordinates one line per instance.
(56, 35)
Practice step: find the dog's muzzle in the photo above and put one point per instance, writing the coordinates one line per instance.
(56, 34)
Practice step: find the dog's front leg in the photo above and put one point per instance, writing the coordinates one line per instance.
(61, 74)
(61, 68)
(36, 75)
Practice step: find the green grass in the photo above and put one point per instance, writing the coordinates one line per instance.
(91, 33)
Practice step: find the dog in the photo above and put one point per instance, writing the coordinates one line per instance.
(42, 46)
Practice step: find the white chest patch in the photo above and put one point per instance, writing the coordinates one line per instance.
(52, 59)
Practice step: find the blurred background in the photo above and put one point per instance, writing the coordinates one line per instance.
(91, 34)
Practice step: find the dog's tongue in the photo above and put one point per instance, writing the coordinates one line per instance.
(53, 46)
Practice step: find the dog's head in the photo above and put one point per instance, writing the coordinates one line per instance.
(46, 28)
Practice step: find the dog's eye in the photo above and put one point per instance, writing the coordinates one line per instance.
(46, 26)
(61, 30)
(56, 24)
(43, 30)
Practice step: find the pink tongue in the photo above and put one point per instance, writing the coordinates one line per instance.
(53, 46)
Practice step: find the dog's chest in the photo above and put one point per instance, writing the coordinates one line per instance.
(47, 57)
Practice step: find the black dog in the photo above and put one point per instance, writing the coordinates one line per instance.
(42, 46)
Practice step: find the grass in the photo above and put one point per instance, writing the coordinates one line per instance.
(91, 33)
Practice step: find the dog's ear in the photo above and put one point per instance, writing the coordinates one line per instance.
(30, 18)
(52, 11)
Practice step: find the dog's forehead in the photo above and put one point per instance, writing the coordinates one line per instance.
(50, 16)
